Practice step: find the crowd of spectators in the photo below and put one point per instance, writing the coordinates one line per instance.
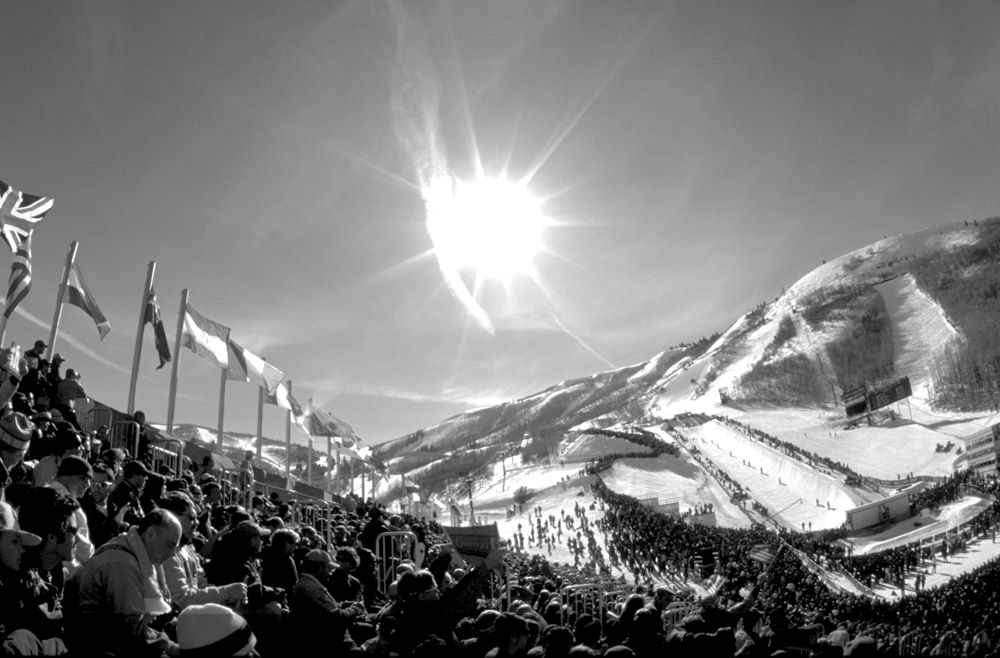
(99, 555)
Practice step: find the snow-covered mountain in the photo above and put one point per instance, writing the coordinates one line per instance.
(921, 305)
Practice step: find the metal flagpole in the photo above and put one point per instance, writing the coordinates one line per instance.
(172, 398)
(309, 462)
(223, 376)
(70, 259)
(288, 435)
(260, 423)
(150, 271)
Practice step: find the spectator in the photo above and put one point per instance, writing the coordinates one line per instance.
(213, 630)
(183, 573)
(94, 503)
(16, 432)
(67, 392)
(66, 443)
(143, 446)
(37, 350)
(14, 543)
(126, 494)
(316, 617)
(278, 566)
(423, 610)
(118, 601)
(50, 515)
(74, 478)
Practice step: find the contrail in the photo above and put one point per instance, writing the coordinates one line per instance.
(416, 100)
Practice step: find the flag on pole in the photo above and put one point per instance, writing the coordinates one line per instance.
(323, 423)
(159, 332)
(284, 399)
(78, 294)
(246, 366)
(20, 277)
(19, 212)
(206, 338)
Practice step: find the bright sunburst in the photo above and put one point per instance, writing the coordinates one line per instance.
(491, 226)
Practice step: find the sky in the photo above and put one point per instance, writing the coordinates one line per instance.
(294, 166)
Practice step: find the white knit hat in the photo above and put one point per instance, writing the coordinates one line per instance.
(213, 630)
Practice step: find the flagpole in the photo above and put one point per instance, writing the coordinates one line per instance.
(288, 436)
(223, 376)
(260, 423)
(309, 461)
(70, 259)
(172, 398)
(150, 272)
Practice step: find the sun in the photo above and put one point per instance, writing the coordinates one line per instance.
(491, 226)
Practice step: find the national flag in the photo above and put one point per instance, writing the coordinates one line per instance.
(206, 338)
(153, 317)
(764, 553)
(19, 212)
(246, 366)
(20, 277)
(78, 294)
(323, 423)
(282, 398)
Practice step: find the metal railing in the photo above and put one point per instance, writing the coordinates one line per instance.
(390, 549)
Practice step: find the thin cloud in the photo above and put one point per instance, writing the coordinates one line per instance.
(73, 341)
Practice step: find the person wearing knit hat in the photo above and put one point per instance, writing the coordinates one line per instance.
(15, 436)
(211, 629)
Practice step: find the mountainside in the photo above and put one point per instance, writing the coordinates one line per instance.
(606, 398)
(923, 305)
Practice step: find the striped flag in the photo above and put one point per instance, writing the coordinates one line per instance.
(246, 366)
(764, 553)
(78, 294)
(159, 332)
(20, 277)
(19, 212)
(206, 338)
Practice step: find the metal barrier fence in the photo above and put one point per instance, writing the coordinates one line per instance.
(125, 435)
(169, 453)
(390, 549)
(910, 644)
(94, 418)
(320, 518)
(586, 598)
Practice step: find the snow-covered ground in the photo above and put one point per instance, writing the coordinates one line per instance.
(559, 488)
(792, 491)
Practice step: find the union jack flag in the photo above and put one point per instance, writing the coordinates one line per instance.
(19, 212)
(20, 277)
